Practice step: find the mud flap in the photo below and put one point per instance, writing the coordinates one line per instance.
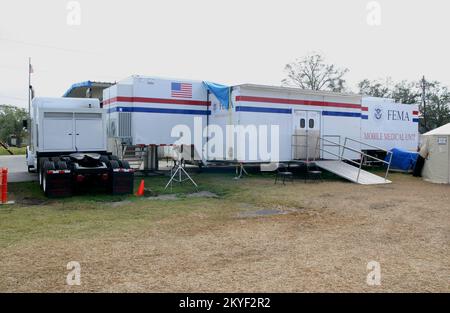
(122, 182)
(58, 185)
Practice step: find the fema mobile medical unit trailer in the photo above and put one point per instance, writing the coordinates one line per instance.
(301, 117)
(145, 110)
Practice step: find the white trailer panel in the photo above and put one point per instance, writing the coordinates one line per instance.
(144, 110)
(388, 124)
(293, 112)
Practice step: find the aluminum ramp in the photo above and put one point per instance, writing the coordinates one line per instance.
(350, 172)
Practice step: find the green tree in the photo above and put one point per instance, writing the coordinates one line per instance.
(436, 111)
(314, 73)
(375, 88)
(402, 92)
(11, 118)
(406, 92)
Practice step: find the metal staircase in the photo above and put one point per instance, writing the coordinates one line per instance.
(134, 155)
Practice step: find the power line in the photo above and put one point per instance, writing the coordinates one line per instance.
(12, 97)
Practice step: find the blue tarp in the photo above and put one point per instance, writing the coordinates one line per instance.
(221, 92)
(402, 160)
(87, 83)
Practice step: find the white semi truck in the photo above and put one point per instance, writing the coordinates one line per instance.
(68, 148)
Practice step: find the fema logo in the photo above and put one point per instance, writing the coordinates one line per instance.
(378, 113)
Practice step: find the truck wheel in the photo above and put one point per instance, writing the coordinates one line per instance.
(48, 166)
(40, 178)
(41, 170)
(113, 157)
(104, 159)
(61, 165)
(44, 184)
(113, 164)
(124, 164)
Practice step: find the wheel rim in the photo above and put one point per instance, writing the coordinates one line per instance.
(40, 177)
(44, 184)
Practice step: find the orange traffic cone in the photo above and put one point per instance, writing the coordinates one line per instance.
(140, 191)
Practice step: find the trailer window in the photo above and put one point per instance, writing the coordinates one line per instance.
(311, 123)
(302, 123)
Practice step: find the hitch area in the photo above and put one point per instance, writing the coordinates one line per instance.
(79, 173)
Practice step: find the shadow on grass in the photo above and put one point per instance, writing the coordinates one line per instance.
(221, 183)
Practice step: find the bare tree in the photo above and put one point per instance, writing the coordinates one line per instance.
(312, 72)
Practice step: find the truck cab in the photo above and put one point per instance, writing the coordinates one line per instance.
(68, 145)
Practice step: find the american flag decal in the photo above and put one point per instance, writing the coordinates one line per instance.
(181, 90)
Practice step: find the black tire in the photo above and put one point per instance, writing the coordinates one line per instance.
(47, 166)
(104, 159)
(45, 183)
(40, 178)
(124, 164)
(113, 157)
(113, 164)
(61, 165)
(41, 170)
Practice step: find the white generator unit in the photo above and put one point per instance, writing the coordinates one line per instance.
(68, 147)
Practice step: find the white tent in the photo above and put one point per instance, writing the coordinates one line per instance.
(435, 150)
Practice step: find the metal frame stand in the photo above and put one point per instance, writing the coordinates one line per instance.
(179, 171)
(240, 171)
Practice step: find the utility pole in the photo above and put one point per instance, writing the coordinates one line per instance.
(30, 70)
(423, 83)
(29, 85)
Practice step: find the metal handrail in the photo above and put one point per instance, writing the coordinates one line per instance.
(334, 144)
(366, 144)
(362, 154)
(368, 155)
(347, 159)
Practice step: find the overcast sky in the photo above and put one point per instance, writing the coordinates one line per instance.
(228, 42)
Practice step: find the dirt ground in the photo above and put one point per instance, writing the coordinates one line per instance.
(323, 240)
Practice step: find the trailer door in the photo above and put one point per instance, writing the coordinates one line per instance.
(306, 135)
(89, 132)
(57, 131)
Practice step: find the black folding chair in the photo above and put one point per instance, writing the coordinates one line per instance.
(283, 172)
(313, 173)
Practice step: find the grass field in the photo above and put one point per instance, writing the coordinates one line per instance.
(321, 238)
(15, 150)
